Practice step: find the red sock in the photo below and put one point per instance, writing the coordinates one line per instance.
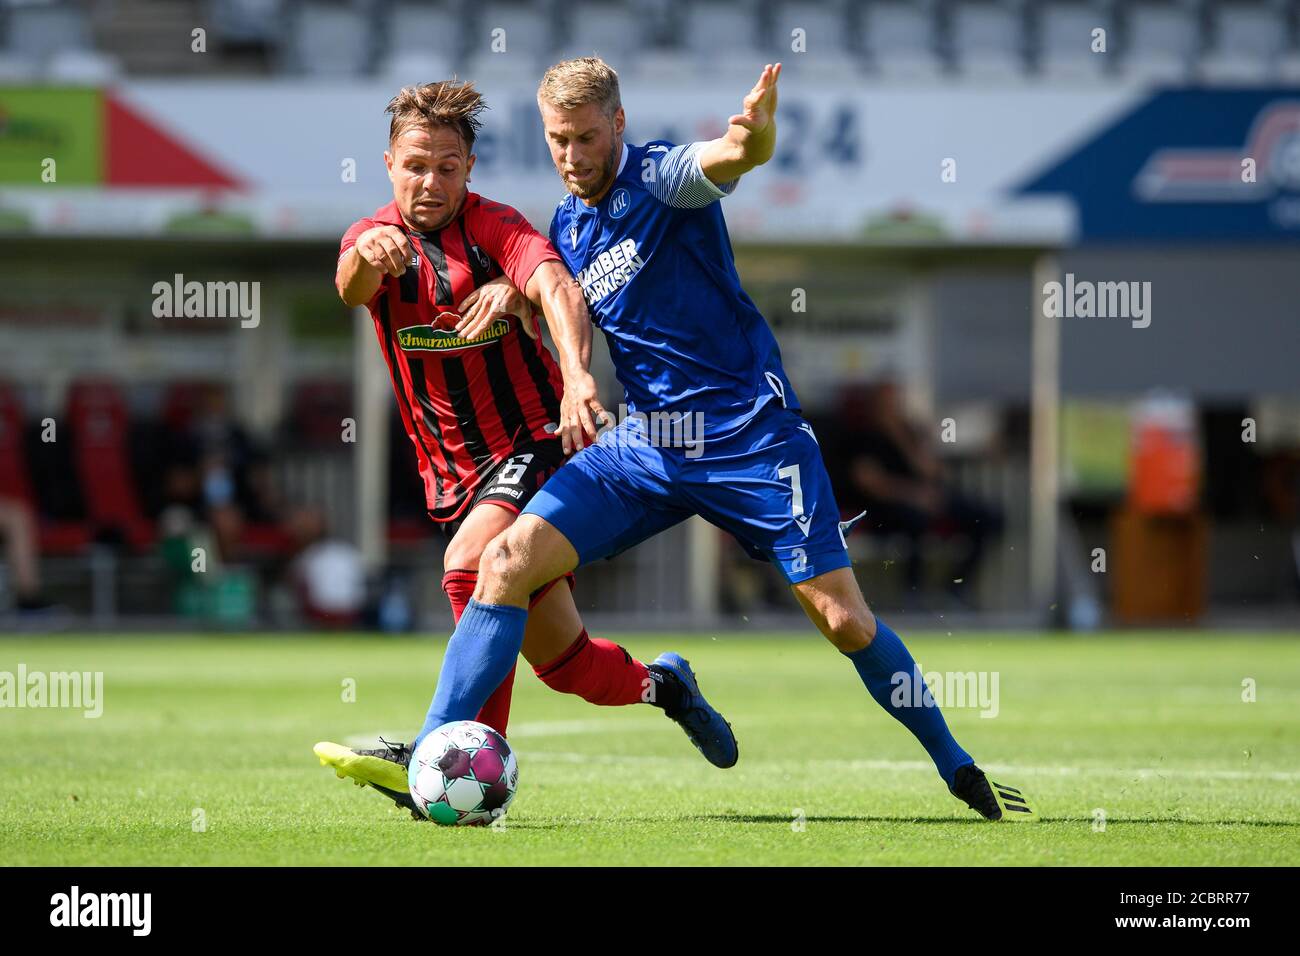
(598, 671)
(459, 585)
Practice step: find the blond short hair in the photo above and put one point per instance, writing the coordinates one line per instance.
(570, 84)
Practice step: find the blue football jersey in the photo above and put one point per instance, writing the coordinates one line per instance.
(655, 264)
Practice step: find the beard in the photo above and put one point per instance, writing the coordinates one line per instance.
(597, 184)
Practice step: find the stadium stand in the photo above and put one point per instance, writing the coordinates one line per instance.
(1215, 41)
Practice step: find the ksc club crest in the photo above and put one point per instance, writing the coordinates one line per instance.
(619, 202)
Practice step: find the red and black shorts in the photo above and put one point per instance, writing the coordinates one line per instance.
(511, 484)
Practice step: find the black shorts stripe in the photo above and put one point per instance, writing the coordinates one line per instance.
(390, 342)
(432, 246)
(429, 414)
(503, 393)
(537, 371)
(462, 402)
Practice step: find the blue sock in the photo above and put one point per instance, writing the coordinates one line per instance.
(877, 663)
(479, 655)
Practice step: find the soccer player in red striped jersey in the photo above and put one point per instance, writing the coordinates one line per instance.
(489, 411)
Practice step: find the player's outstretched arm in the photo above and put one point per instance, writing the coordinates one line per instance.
(559, 297)
(750, 139)
(492, 299)
(381, 251)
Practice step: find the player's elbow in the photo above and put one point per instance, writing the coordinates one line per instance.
(560, 288)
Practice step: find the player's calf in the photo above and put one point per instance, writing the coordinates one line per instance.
(835, 605)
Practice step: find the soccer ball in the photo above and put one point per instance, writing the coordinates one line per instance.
(463, 774)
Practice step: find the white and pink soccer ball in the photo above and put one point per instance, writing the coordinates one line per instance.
(463, 774)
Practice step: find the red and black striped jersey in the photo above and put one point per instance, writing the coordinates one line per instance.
(465, 405)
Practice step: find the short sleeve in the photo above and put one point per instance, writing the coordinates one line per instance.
(679, 181)
(353, 234)
(507, 237)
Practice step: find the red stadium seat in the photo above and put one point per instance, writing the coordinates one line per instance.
(266, 541)
(410, 532)
(97, 413)
(181, 401)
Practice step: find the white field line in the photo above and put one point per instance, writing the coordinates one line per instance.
(558, 728)
(1139, 773)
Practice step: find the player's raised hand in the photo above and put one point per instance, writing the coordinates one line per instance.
(489, 301)
(750, 139)
(386, 248)
(758, 112)
(581, 413)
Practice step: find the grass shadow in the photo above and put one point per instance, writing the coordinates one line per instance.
(786, 819)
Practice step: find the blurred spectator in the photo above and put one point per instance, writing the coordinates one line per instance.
(18, 528)
(219, 475)
(900, 480)
(1281, 494)
(327, 574)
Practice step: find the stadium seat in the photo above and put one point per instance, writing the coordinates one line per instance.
(529, 36)
(181, 402)
(609, 29)
(1247, 40)
(829, 56)
(1287, 69)
(660, 65)
(988, 41)
(412, 68)
(410, 532)
(899, 41)
(824, 24)
(437, 31)
(98, 415)
(741, 56)
(1065, 41)
(330, 39)
(36, 32)
(247, 21)
(1161, 40)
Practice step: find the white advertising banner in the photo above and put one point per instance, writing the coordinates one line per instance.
(307, 158)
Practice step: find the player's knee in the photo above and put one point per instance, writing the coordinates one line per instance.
(496, 558)
(504, 559)
(848, 629)
(462, 554)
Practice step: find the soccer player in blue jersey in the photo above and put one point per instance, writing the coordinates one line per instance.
(642, 230)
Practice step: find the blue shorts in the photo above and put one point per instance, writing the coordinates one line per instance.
(765, 484)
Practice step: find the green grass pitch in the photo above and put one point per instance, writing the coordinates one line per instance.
(203, 756)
